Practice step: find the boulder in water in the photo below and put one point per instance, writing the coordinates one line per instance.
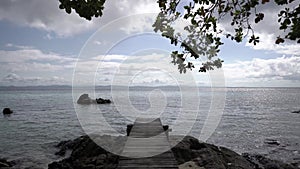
(7, 111)
(272, 142)
(103, 101)
(85, 99)
(5, 164)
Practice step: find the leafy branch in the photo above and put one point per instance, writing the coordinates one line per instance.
(202, 37)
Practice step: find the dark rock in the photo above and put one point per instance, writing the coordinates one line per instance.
(166, 127)
(103, 101)
(64, 146)
(7, 111)
(6, 164)
(85, 99)
(208, 156)
(128, 129)
(85, 155)
(190, 165)
(272, 142)
(261, 162)
(296, 112)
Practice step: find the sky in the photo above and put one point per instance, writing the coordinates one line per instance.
(42, 45)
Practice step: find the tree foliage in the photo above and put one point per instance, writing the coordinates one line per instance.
(84, 8)
(202, 36)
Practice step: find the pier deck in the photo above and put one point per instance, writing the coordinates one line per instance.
(147, 147)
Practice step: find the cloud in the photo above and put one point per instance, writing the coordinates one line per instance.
(10, 45)
(146, 69)
(139, 23)
(267, 29)
(262, 71)
(152, 77)
(14, 79)
(267, 42)
(42, 14)
(151, 68)
(98, 42)
(27, 59)
(45, 15)
(48, 36)
(30, 66)
(269, 25)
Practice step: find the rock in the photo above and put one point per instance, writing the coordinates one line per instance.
(85, 99)
(128, 129)
(208, 156)
(261, 162)
(296, 112)
(189, 165)
(166, 127)
(85, 155)
(103, 101)
(189, 153)
(5, 164)
(64, 146)
(7, 111)
(272, 142)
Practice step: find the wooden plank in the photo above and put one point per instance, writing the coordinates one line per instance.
(147, 147)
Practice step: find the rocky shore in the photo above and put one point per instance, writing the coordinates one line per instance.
(189, 153)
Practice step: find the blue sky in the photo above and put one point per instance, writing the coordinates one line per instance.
(40, 44)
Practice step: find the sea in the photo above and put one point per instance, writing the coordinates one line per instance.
(246, 120)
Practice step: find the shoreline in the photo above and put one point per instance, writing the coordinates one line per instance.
(189, 152)
(82, 152)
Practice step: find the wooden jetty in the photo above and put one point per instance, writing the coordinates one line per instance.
(147, 147)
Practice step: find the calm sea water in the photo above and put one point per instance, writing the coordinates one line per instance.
(43, 117)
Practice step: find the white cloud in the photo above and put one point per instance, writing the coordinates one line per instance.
(267, 42)
(34, 62)
(48, 36)
(14, 79)
(259, 72)
(42, 14)
(10, 45)
(27, 54)
(146, 69)
(267, 29)
(45, 15)
(11, 77)
(98, 42)
(139, 23)
(30, 66)
(151, 77)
